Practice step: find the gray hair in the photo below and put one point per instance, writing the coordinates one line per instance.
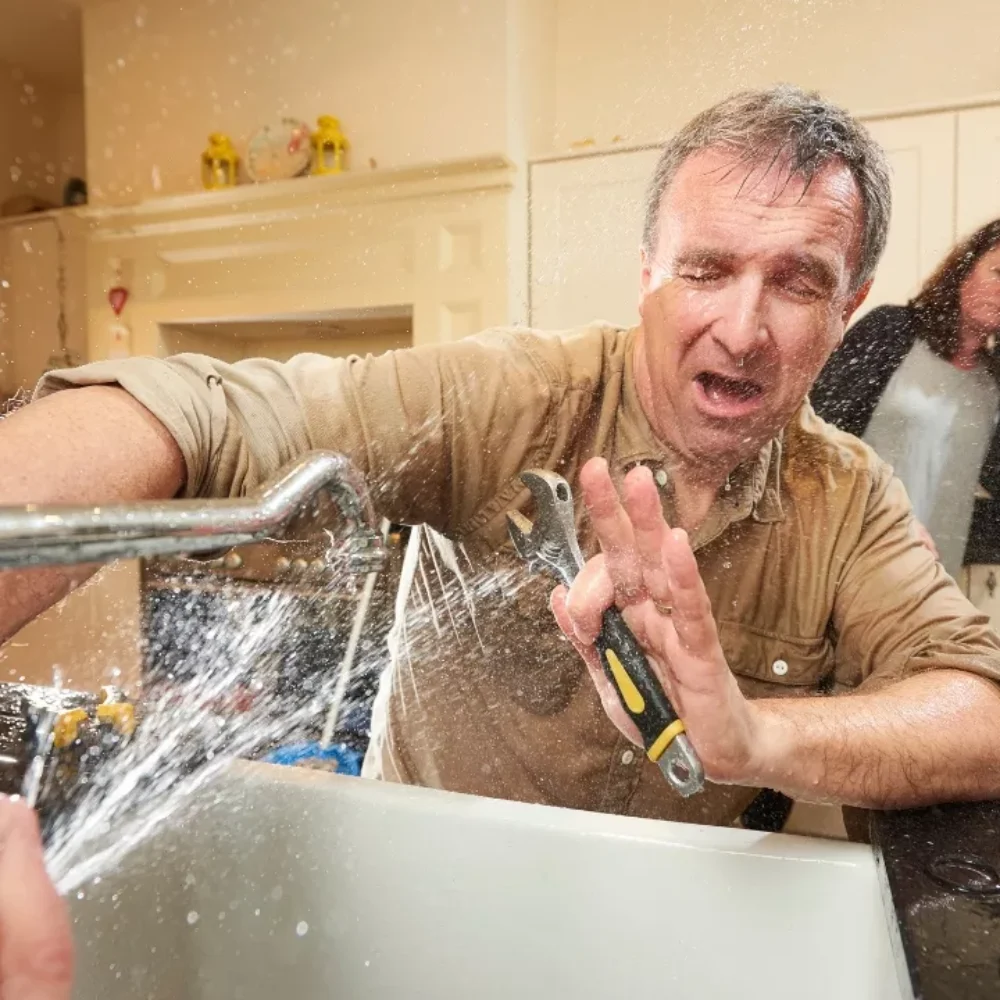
(784, 122)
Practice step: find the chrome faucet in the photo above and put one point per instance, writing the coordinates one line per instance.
(62, 535)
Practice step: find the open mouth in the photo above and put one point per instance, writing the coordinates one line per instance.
(722, 390)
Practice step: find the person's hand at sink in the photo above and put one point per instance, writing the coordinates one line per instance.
(36, 947)
(920, 739)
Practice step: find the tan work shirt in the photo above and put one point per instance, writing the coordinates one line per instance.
(816, 581)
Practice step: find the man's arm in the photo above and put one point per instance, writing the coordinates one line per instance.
(436, 431)
(917, 739)
(930, 738)
(94, 445)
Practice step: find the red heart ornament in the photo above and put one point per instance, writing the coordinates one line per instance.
(118, 296)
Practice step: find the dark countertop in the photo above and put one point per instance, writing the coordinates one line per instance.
(941, 869)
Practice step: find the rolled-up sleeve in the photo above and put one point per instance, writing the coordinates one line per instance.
(897, 612)
(432, 429)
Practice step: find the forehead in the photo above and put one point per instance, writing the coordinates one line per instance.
(715, 199)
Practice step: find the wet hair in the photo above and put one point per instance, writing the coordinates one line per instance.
(797, 129)
(939, 303)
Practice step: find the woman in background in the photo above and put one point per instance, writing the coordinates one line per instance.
(919, 383)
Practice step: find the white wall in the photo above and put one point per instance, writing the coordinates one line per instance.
(41, 135)
(411, 81)
(637, 69)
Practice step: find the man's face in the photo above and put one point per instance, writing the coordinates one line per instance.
(746, 295)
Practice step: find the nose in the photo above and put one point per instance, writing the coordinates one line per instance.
(739, 328)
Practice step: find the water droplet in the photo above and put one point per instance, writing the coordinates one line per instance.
(192, 917)
(302, 928)
(79, 894)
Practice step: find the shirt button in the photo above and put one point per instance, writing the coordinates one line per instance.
(661, 477)
(779, 667)
(628, 757)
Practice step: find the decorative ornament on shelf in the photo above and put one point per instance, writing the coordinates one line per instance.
(119, 334)
(279, 151)
(219, 162)
(329, 146)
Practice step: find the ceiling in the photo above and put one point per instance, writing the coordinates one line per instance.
(42, 37)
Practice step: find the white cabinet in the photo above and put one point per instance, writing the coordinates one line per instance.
(587, 212)
(978, 159)
(30, 254)
(586, 228)
(921, 154)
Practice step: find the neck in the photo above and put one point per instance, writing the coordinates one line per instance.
(696, 480)
(971, 338)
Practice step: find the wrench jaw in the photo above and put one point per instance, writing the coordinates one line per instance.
(519, 528)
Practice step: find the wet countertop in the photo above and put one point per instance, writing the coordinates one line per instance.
(940, 867)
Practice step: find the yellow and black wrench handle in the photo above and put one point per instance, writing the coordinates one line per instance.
(647, 705)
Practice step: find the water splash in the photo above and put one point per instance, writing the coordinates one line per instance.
(233, 699)
(229, 696)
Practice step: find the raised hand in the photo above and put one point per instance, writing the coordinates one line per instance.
(650, 572)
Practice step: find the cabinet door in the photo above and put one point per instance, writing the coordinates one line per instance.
(30, 302)
(978, 168)
(586, 227)
(921, 153)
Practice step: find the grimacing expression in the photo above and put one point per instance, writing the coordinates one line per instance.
(748, 290)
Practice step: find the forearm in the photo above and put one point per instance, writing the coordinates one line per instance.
(934, 737)
(91, 445)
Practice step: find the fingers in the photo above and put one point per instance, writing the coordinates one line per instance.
(610, 701)
(692, 611)
(36, 946)
(613, 529)
(590, 596)
(643, 507)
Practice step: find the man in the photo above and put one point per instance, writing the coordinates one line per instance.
(766, 219)
(36, 949)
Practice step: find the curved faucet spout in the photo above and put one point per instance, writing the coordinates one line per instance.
(63, 535)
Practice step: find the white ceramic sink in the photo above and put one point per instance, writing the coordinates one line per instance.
(300, 884)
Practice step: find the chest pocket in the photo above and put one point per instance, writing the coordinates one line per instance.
(768, 664)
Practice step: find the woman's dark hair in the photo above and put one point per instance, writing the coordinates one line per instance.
(939, 305)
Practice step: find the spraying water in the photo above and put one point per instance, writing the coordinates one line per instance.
(229, 703)
(229, 697)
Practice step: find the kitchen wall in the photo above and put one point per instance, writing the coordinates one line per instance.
(441, 79)
(637, 69)
(41, 135)
(412, 82)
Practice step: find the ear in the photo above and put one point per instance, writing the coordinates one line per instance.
(853, 304)
(645, 274)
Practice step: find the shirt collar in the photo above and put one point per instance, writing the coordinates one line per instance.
(753, 488)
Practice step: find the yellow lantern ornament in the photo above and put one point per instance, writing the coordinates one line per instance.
(329, 146)
(218, 162)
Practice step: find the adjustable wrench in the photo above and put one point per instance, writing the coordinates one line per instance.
(550, 545)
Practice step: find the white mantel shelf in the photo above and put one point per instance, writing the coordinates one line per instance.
(445, 241)
(255, 204)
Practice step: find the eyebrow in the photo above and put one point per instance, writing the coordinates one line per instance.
(804, 263)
